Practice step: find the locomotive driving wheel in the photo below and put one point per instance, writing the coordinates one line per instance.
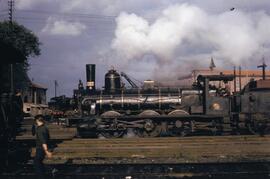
(111, 128)
(113, 132)
(258, 124)
(150, 127)
(259, 128)
(180, 128)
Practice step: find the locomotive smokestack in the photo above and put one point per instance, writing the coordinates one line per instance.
(91, 77)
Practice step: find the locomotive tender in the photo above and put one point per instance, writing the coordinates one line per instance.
(153, 111)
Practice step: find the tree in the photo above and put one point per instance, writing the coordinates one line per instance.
(17, 44)
(20, 38)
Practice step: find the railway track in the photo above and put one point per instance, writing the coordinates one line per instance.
(56, 132)
(149, 171)
(245, 156)
(164, 150)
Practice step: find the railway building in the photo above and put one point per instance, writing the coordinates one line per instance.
(243, 76)
(34, 99)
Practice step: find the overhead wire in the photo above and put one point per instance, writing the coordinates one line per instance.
(85, 18)
(64, 18)
(91, 21)
(83, 15)
(88, 24)
(24, 16)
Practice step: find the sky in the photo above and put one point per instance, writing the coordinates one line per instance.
(147, 39)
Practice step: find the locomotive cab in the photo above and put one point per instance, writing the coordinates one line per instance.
(217, 104)
(255, 105)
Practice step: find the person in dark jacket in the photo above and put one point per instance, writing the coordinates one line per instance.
(42, 139)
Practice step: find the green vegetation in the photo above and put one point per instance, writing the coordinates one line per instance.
(24, 40)
(17, 44)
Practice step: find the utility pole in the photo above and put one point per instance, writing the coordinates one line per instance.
(263, 66)
(234, 81)
(10, 13)
(10, 10)
(55, 88)
(240, 78)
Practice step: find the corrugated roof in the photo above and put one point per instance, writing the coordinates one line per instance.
(249, 73)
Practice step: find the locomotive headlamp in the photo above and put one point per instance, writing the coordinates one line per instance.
(93, 108)
(215, 106)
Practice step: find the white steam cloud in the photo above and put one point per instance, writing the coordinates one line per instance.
(184, 31)
(62, 27)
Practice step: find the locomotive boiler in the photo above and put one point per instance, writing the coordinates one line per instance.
(151, 111)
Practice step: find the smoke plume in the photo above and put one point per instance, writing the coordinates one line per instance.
(184, 33)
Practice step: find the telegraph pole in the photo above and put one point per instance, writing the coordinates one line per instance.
(10, 10)
(10, 14)
(55, 88)
(263, 66)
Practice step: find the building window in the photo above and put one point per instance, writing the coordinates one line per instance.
(39, 100)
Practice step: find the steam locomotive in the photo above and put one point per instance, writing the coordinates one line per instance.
(153, 111)
(10, 102)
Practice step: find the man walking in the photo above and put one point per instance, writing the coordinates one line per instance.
(42, 138)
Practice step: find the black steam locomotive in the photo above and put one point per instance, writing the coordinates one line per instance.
(11, 106)
(153, 111)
